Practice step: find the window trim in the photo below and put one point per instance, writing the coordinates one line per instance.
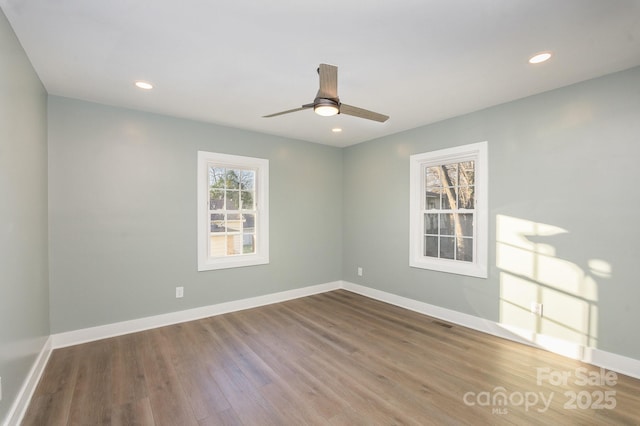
(417, 163)
(261, 166)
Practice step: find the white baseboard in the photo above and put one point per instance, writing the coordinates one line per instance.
(76, 337)
(593, 356)
(20, 404)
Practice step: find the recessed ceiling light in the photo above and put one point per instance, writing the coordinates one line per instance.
(336, 130)
(144, 85)
(540, 57)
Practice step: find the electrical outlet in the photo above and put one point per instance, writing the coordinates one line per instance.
(536, 308)
(359, 271)
(179, 292)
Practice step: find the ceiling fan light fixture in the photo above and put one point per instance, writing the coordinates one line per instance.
(326, 108)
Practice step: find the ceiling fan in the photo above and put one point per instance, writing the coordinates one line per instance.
(327, 102)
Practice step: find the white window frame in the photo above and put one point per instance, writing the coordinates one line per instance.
(261, 167)
(418, 163)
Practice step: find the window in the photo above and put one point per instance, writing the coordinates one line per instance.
(448, 205)
(233, 211)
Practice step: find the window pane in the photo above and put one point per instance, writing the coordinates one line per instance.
(233, 179)
(446, 224)
(216, 177)
(450, 177)
(446, 247)
(431, 246)
(431, 223)
(466, 197)
(217, 246)
(217, 222)
(466, 224)
(466, 171)
(247, 200)
(448, 198)
(465, 249)
(234, 244)
(247, 179)
(233, 200)
(234, 223)
(433, 199)
(248, 244)
(216, 199)
(248, 223)
(433, 178)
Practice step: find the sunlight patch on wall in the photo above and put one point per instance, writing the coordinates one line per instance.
(532, 272)
(600, 268)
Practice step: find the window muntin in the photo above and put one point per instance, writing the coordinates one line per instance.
(448, 226)
(232, 211)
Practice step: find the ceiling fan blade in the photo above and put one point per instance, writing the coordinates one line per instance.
(362, 113)
(307, 106)
(328, 82)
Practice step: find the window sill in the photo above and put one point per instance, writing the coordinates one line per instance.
(452, 267)
(236, 262)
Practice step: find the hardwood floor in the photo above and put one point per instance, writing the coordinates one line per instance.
(335, 358)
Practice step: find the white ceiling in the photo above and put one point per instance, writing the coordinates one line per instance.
(231, 62)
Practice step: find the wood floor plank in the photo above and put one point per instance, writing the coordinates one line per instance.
(191, 351)
(289, 370)
(52, 398)
(291, 398)
(169, 403)
(128, 385)
(91, 403)
(247, 403)
(223, 418)
(136, 413)
(334, 358)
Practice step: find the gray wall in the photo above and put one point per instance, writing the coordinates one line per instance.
(123, 214)
(563, 196)
(24, 291)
